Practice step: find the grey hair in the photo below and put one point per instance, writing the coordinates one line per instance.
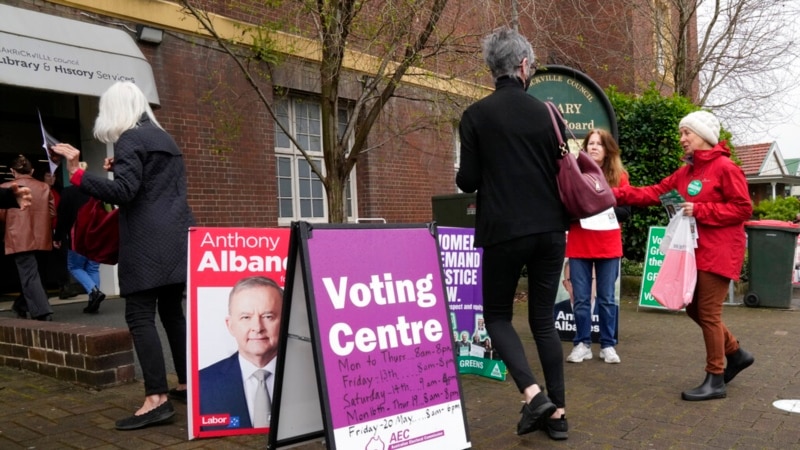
(121, 107)
(504, 50)
(253, 282)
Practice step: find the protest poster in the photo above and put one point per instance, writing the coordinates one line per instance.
(461, 263)
(218, 259)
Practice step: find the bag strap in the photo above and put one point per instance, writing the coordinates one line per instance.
(553, 110)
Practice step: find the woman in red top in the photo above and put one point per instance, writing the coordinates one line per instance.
(716, 195)
(595, 253)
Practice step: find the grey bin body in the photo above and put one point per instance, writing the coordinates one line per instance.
(770, 247)
(454, 210)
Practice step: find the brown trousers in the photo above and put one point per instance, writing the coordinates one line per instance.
(706, 311)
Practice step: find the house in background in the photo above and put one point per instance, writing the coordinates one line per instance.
(768, 174)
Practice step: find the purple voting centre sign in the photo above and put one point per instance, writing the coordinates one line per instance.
(388, 371)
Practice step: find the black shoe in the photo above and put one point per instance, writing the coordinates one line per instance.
(65, 292)
(713, 387)
(45, 317)
(160, 414)
(178, 395)
(556, 428)
(533, 413)
(95, 298)
(21, 313)
(737, 362)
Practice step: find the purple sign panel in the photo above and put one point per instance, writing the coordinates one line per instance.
(386, 344)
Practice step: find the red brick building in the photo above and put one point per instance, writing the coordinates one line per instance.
(241, 171)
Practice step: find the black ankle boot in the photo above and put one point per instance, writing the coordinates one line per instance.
(713, 387)
(737, 362)
(95, 297)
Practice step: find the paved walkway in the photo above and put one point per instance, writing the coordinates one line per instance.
(633, 405)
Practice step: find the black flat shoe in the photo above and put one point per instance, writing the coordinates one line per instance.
(157, 415)
(556, 428)
(178, 395)
(45, 317)
(534, 413)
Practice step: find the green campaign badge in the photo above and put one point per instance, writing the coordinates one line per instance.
(694, 187)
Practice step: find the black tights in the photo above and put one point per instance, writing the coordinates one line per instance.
(543, 254)
(140, 314)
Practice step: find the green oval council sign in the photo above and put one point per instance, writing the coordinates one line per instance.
(581, 101)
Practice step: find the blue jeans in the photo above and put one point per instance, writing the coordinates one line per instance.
(86, 271)
(606, 270)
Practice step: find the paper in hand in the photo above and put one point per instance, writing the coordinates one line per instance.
(47, 142)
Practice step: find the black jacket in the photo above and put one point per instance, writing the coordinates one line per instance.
(149, 186)
(72, 198)
(509, 154)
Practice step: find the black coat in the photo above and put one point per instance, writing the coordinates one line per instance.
(509, 154)
(149, 186)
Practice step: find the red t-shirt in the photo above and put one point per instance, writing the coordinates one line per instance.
(582, 243)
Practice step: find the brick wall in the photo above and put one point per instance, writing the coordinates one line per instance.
(91, 356)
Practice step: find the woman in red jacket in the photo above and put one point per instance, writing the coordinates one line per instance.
(716, 195)
(594, 252)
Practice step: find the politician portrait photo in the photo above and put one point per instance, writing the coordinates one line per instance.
(241, 384)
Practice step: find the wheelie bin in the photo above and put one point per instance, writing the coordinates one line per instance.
(770, 247)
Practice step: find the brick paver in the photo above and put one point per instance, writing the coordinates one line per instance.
(632, 405)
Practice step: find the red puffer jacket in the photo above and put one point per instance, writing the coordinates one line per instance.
(718, 189)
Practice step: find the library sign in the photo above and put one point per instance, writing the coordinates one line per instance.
(581, 101)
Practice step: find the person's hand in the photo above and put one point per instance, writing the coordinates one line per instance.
(71, 154)
(23, 195)
(688, 208)
(56, 244)
(108, 164)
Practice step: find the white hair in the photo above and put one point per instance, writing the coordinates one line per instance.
(121, 107)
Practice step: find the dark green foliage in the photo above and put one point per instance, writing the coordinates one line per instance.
(782, 208)
(648, 138)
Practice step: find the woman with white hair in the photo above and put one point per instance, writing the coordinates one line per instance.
(149, 186)
(717, 197)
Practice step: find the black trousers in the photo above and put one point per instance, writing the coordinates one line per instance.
(543, 254)
(31, 284)
(140, 314)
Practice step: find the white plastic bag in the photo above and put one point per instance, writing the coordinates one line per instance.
(676, 280)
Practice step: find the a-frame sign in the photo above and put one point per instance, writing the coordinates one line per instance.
(367, 360)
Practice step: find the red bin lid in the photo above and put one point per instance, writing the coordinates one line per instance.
(770, 223)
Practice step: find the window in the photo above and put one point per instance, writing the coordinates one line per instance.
(661, 36)
(301, 195)
(456, 153)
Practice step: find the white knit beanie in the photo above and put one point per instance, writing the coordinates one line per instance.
(703, 124)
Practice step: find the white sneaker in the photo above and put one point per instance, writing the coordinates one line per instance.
(609, 355)
(580, 353)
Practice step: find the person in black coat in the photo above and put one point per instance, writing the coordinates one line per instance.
(149, 186)
(509, 155)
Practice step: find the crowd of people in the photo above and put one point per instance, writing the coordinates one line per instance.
(509, 156)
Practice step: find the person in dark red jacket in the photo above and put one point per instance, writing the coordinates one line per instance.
(716, 195)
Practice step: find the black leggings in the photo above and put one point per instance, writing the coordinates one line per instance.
(140, 314)
(543, 254)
